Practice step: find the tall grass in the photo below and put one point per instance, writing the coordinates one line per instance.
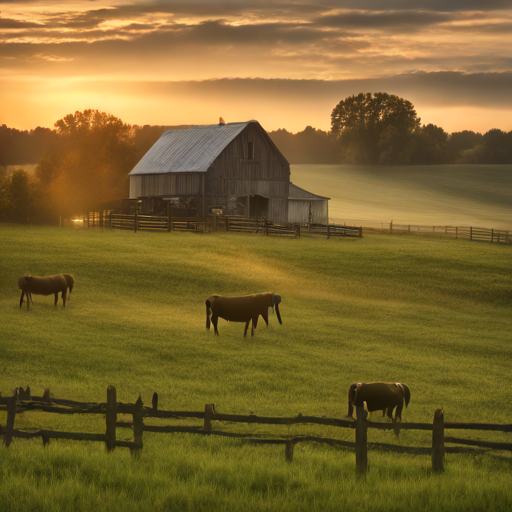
(430, 312)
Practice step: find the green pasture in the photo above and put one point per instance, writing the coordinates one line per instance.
(433, 313)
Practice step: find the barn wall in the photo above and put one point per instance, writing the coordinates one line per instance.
(144, 185)
(278, 210)
(233, 173)
(298, 211)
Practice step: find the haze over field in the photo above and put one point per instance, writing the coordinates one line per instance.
(285, 64)
(463, 195)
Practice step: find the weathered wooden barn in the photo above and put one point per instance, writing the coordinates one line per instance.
(233, 169)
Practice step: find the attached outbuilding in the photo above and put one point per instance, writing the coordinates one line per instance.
(307, 208)
(230, 169)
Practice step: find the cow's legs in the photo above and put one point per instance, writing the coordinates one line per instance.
(252, 327)
(246, 327)
(215, 319)
(56, 298)
(30, 296)
(265, 316)
(21, 298)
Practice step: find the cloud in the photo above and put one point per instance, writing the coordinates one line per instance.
(7, 23)
(403, 19)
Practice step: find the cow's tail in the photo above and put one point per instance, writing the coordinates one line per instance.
(407, 394)
(208, 313)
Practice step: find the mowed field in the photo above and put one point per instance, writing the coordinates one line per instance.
(433, 313)
(456, 195)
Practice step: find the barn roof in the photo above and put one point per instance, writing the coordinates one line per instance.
(192, 150)
(298, 193)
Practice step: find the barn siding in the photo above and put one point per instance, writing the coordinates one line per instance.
(149, 185)
(232, 173)
(298, 211)
(278, 209)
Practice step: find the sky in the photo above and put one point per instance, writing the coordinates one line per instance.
(285, 63)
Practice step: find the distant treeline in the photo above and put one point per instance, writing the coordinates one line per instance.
(430, 144)
(425, 144)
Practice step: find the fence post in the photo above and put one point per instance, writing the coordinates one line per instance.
(209, 412)
(438, 441)
(456, 232)
(154, 402)
(136, 220)
(360, 231)
(391, 226)
(111, 418)
(471, 232)
(492, 235)
(110, 221)
(138, 426)
(328, 232)
(288, 453)
(361, 441)
(11, 414)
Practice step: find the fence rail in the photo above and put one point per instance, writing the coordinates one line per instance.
(472, 233)
(238, 224)
(22, 402)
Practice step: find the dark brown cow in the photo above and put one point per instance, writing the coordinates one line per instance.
(241, 309)
(379, 396)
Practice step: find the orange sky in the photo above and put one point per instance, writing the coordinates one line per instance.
(286, 63)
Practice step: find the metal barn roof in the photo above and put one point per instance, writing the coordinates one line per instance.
(298, 193)
(192, 150)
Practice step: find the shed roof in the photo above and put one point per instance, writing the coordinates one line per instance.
(192, 150)
(298, 193)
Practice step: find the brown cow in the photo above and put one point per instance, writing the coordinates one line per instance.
(241, 309)
(50, 285)
(379, 396)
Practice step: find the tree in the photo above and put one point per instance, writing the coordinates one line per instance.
(15, 196)
(374, 128)
(90, 166)
(429, 145)
(311, 146)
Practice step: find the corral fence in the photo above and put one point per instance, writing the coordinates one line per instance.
(22, 401)
(111, 219)
(471, 233)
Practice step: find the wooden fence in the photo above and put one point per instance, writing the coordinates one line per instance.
(471, 233)
(22, 402)
(336, 230)
(474, 234)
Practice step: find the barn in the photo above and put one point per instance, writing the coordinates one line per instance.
(230, 169)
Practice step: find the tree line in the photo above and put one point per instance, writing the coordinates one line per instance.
(83, 164)
(383, 129)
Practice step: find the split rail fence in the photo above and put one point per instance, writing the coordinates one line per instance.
(236, 224)
(22, 402)
(471, 233)
(474, 234)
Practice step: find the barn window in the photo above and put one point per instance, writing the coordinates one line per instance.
(250, 151)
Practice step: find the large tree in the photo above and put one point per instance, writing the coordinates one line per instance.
(90, 166)
(374, 128)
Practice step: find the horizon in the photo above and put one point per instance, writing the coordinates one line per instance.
(286, 65)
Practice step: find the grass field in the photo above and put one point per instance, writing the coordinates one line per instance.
(433, 313)
(457, 195)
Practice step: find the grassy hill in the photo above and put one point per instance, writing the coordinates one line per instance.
(457, 195)
(430, 312)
